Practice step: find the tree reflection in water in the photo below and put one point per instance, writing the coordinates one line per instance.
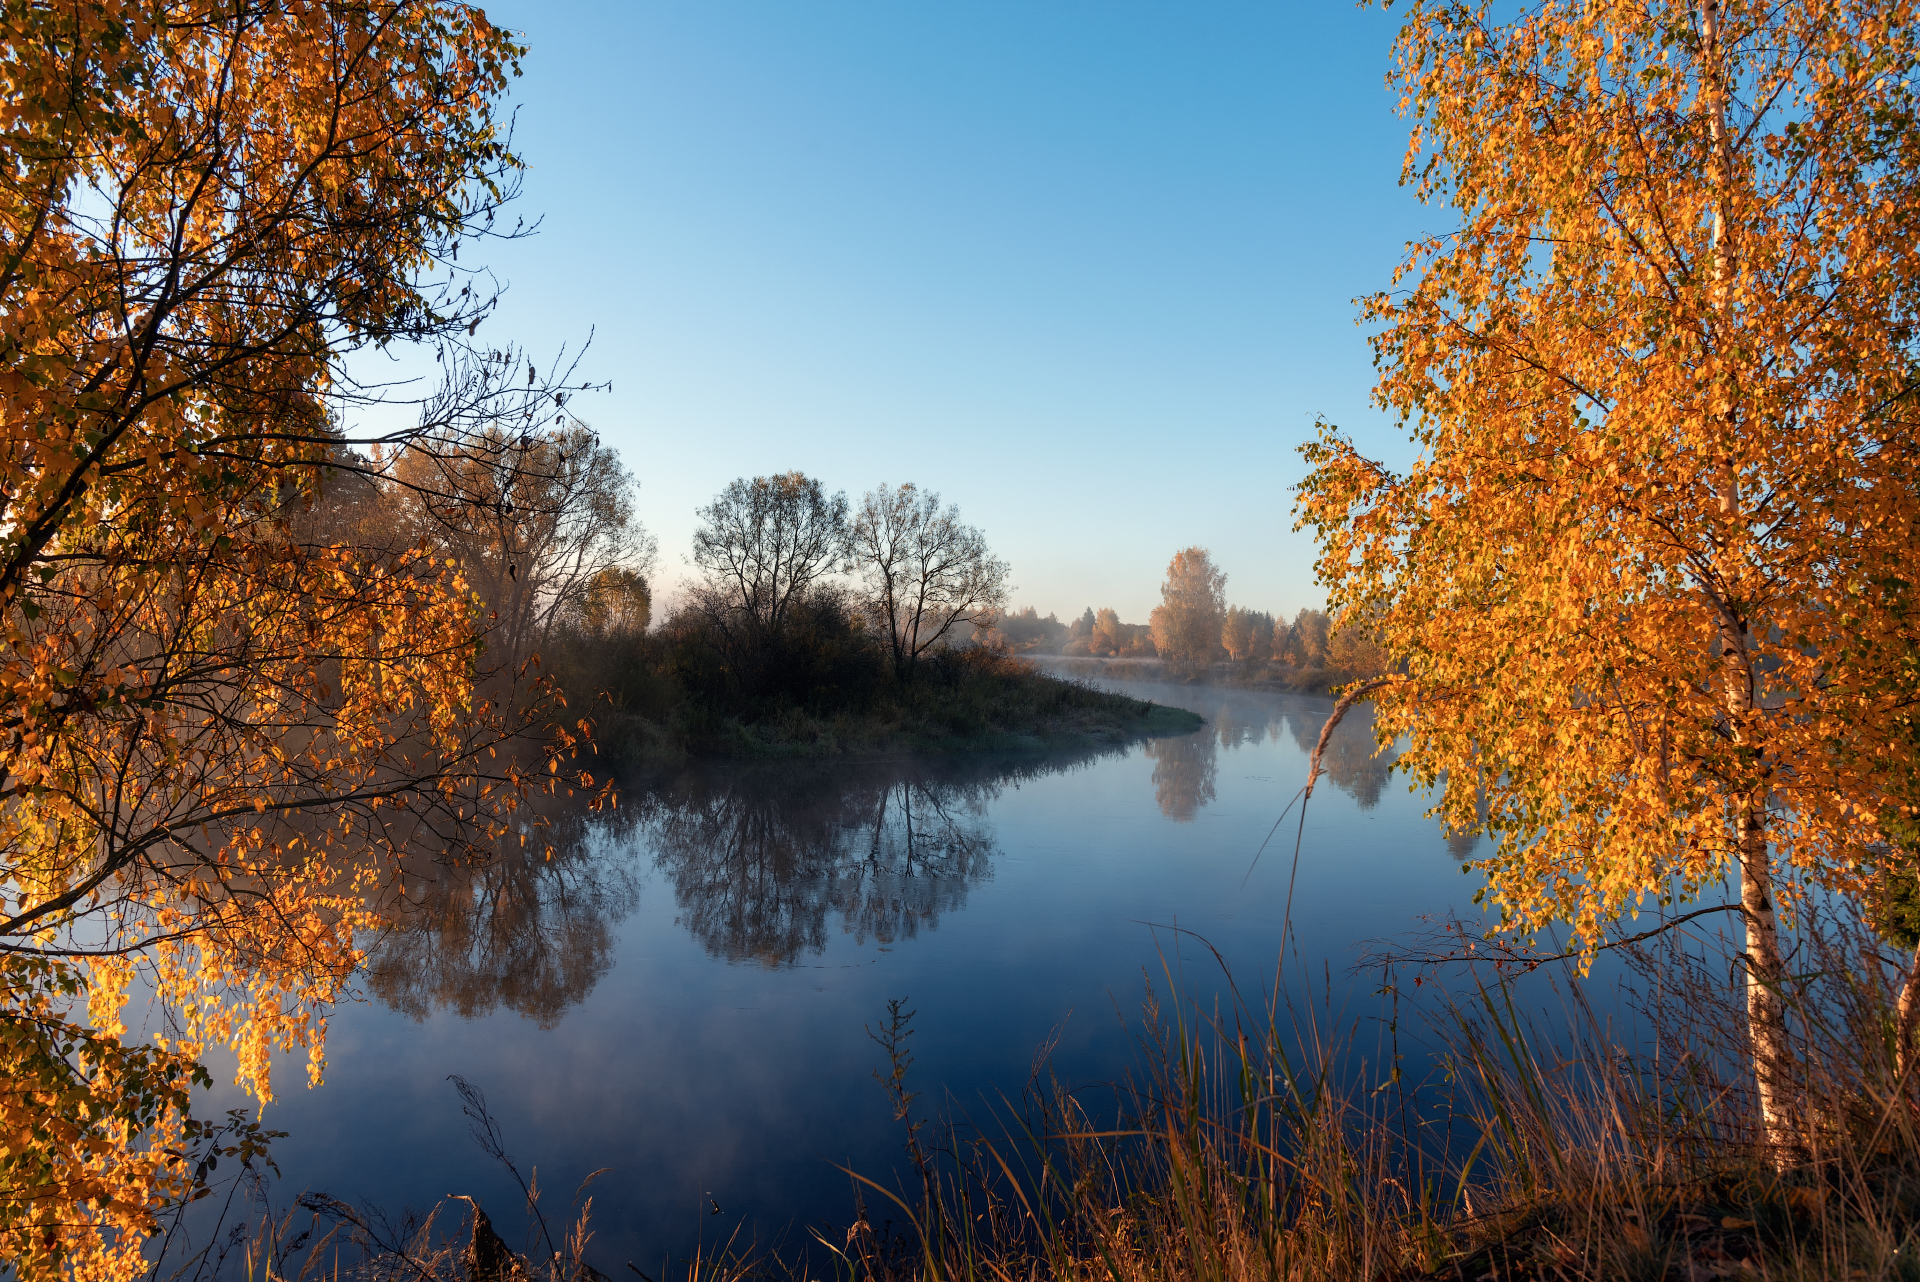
(1353, 762)
(507, 926)
(766, 861)
(1186, 769)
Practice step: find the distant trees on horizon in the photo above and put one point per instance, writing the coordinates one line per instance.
(1193, 625)
(1101, 634)
(1193, 605)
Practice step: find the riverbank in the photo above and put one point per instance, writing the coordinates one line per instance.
(1276, 677)
(964, 701)
(1538, 1148)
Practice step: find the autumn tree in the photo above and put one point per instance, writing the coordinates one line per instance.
(923, 571)
(1279, 637)
(1308, 637)
(1236, 633)
(1261, 644)
(211, 703)
(1354, 647)
(1247, 635)
(1651, 574)
(1187, 622)
(616, 602)
(534, 518)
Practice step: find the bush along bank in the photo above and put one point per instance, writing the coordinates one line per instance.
(823, 686)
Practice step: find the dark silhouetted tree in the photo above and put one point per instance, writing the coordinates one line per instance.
(762, 543)
(923, 570)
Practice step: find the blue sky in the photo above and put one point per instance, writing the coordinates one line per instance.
(1084, 268)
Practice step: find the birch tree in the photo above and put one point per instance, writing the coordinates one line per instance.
(211, 707)
(1649, 575)
(1188, 621)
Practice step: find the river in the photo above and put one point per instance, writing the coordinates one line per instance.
(683, 995)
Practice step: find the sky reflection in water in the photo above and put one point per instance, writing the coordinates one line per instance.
(682, 993)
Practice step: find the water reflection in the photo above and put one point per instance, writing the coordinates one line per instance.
(1186, 770)
(767, 863)
(687, 910)
(1352, 762)
(507, 926)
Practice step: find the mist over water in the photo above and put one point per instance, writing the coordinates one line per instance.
(682, 993)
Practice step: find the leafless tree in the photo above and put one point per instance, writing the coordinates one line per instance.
(762, 543)
(923, 569)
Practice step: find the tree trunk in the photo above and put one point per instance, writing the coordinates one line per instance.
(1905, 1018)
(1766, 1010)
(1766, 1005)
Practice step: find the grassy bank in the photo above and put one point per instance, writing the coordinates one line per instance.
(659, 699)
(1285, 1145)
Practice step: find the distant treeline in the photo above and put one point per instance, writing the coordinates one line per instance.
(1194, 627)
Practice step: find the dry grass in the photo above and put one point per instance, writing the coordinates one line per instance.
(1526, 1152)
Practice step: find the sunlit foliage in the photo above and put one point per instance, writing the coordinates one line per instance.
(1187, 622)
(1650, 577)
(213, 692)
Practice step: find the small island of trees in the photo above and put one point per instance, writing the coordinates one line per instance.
(814, 626)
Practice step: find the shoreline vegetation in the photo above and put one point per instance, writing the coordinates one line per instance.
(653, 701)
(1268, 676)
(1194, 637)
(819, 628)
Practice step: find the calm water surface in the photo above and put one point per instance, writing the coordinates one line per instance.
(682, 995)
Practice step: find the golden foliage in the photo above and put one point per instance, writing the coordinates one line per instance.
(212, 702)
(79, 1167)
(1650, 576)
(1187, 623)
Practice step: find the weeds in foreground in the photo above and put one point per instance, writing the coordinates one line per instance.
(323, 1237)
(1260, 1142)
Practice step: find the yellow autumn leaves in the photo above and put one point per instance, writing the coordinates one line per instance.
(219, 708)
(1650, 578)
